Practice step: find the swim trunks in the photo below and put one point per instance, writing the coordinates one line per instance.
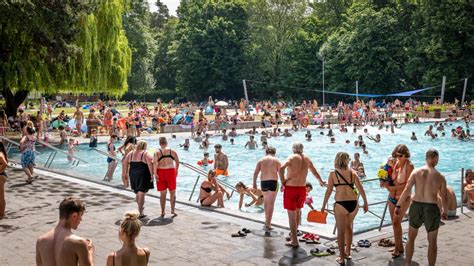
(166, 179)
(424, 213)
(294, 197)
(222, 172)
(269, 185)
(109, 160)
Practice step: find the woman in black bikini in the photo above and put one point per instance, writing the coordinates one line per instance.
(130, 253)
(346, 206)
(206, 197)
(139, 167)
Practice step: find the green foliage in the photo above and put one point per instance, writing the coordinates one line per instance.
(210, 50)
(57, 46)
(143, 45)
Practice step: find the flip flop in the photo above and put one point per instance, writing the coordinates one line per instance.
(367, 243)
(239, 234)
(361, 243)
(312, 241)
(339, 261)
(247, 231)
(299, 233)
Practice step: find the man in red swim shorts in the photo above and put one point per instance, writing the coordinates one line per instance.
(165, 167)
(294, 187)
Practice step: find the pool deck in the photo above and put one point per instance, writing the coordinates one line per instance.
(196, 237)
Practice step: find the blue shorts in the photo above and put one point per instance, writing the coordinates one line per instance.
(28, 158)
(109, 160)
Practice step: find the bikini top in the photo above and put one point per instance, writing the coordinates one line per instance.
(207, 189)
(165, 156)
(338, 175)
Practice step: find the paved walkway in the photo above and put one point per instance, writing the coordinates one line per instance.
(195, 237)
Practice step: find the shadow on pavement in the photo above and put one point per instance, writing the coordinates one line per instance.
(294, 256)
(160, 221)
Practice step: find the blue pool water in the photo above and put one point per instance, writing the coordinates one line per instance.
(454, 155)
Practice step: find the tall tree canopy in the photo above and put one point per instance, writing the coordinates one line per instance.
(58, 46)
(210, 53)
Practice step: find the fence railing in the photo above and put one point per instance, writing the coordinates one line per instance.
(55, 151)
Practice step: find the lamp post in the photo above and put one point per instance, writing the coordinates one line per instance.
(322, 59)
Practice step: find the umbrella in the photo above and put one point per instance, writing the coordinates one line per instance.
(222, 103)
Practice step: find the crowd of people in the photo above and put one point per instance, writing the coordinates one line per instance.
(432, 200)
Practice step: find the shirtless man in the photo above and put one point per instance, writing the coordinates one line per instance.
(251, 144)
(79, 117)
(268, 166)
(165, 167)
(294, 187)
(221, 162)
(60, 246)
(424, 208)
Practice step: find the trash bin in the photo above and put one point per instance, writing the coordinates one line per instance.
(437, 113)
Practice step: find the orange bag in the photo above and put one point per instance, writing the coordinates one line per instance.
(317, 217)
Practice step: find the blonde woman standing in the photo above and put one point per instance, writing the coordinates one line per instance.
(130, 253)
(344, 180)
(138, 165)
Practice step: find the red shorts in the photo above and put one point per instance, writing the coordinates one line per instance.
(166, 179)
(294, 197)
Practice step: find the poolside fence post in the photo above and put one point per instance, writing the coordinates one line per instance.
(443, 87)
(462, 190)
(464, 92)
(245, 91)
(383, 216)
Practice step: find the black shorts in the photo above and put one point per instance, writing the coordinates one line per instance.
(269, 185)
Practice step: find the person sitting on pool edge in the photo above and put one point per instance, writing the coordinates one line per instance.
(255, 193)
(468, 189)
(206, 197)
(221, 162)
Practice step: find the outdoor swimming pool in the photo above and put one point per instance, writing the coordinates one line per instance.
(454, 155)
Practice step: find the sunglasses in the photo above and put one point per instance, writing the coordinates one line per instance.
(401, 156)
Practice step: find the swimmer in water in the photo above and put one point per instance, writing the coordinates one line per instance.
(186, 144)
(251, 144)
(413, 136)
(224, 135)
(70, 149)
(308, 135)
(255, 193)
(287, 133)
(205, 161)
(376, 139)
(333, 140)
(232, 141)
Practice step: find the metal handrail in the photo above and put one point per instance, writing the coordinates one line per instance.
(107, 155)
(59, 150)
(12, 142)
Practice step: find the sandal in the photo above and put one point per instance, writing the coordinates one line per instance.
(340, 261)
(247, 231)
(239, 234)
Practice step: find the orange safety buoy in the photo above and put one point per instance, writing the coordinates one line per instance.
(304, 122)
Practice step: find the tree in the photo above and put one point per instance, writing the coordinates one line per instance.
(164, 65)
(142, 43)
(210, 52)
(368, 48)
(57, 46)
(274, 24)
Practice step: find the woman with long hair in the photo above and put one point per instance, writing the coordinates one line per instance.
(3, 178)
(206, 197)
(401, 172)
(345, 181)
(138, 166)
(130, 253)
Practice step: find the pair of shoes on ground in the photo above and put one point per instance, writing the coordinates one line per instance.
(365, 243)
(321, 253)
(242, 233)
(309, 238)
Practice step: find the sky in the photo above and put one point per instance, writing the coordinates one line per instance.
(171, 4)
